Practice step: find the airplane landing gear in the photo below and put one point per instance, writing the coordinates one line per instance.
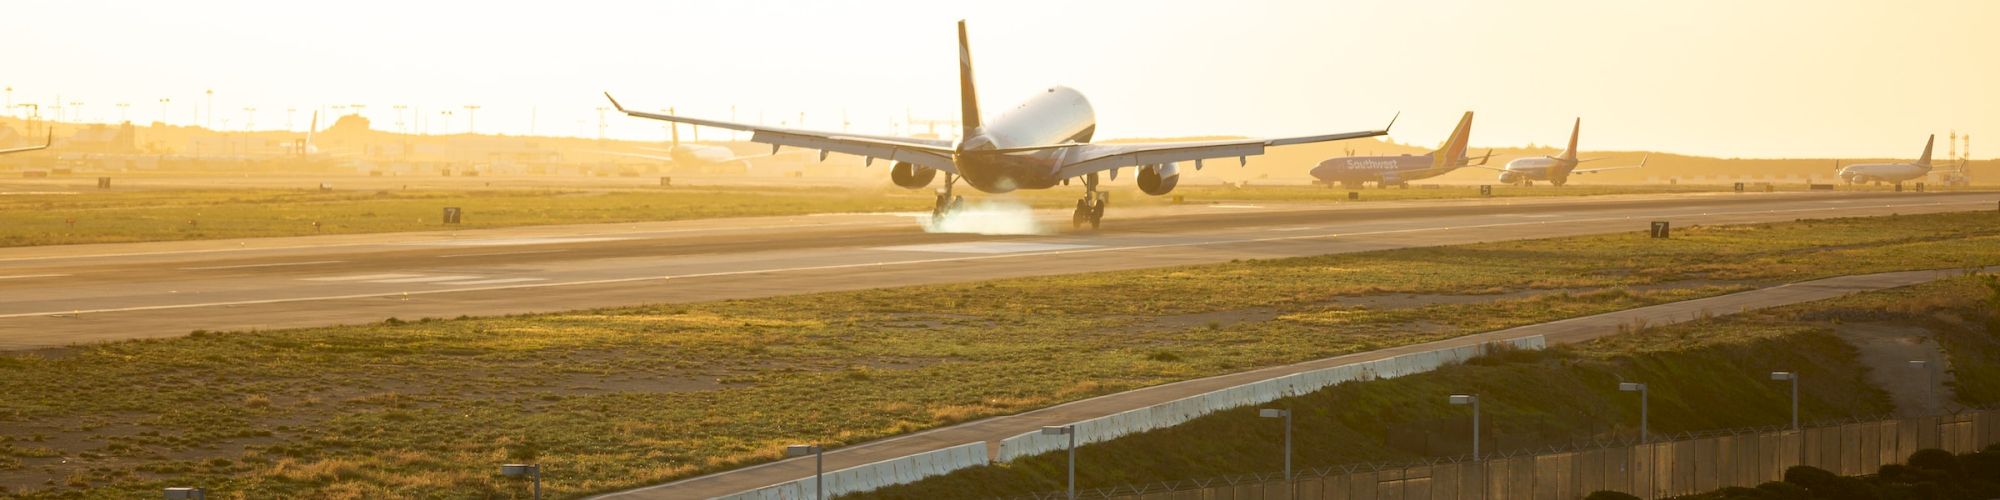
(1090, 208)
(947, 203)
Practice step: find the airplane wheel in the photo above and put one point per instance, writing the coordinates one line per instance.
(1097, 213)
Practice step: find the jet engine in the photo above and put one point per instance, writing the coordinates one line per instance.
(911, 176)
(1159, 179)
(1510, 177)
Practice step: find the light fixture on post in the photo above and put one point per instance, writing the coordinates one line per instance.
(1794, 379)
(1470, 399)
(819, 465)
(1287, 415)
(1066, 430)
(1641, 389)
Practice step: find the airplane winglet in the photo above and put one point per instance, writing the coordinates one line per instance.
(614, 102)
(1392, 122)
(51, 141)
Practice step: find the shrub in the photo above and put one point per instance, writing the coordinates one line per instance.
(1896, 473)
(1778, 490)
(1814, 479)
(1984, 464)
(1609, 495)
(1735, 492)
(1934, 459)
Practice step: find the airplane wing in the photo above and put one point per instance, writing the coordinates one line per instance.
(933, 153)
(45, 145)
(1084, 159)
(1581, 171)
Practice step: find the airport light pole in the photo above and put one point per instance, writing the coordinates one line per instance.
(472, 118)
(10, 101)
(1930, 388)
(1470, 399)
(1641, 389)
(210, 124)
(531, 470)
(399, 117)
(1068, 430)
(1287, 415)
(1794, 379)
(291, 117)
(163, 109)
(249, 118)
(124, 114)
(819, 465)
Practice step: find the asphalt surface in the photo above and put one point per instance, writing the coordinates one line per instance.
(54, 296)
(992, 430)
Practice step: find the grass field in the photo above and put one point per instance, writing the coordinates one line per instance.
(616, 398)
(1704, 375)
(90, 216)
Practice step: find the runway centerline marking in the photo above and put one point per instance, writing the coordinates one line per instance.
(31, 276)
(1981, 203)
(361, 277)
(250, 266)
(529, 252)
(497, 242)
(490, 282)
(985, 247)
(428, 279)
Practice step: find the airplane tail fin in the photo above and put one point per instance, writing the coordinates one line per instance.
(312, 128)
(1925, 160)
(1569, 154)
(1454, 150)
(968, 98)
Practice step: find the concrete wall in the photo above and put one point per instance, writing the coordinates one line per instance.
(1649, 471)
(893, 471)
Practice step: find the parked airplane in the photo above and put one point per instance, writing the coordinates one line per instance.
(1042, 143)
(1889, 172)
(1387, 171)
(1555, 169)
(45, 145)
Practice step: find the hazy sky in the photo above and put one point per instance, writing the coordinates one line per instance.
(1713, 77)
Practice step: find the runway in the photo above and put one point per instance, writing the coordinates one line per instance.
(63, 295)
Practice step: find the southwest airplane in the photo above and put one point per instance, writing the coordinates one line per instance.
(45, 145)
(1890, 172)
(1555, 169)
(1387, 171)
(1042, 143)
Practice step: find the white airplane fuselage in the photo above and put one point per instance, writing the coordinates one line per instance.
(1883, 172)
(1057, 115)
(1536, 169)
